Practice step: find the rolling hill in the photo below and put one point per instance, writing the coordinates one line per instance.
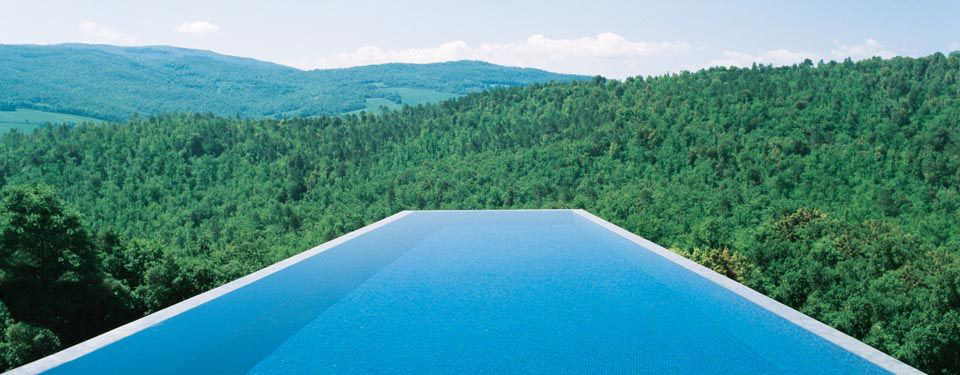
(113, 83)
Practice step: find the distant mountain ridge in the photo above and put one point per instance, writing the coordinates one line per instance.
(114, 82)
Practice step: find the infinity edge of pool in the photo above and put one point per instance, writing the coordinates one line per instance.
(841, 340)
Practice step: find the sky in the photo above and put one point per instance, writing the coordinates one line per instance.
(616, 39)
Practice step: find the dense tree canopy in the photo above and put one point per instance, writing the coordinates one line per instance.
(49, 277)
(831, 187)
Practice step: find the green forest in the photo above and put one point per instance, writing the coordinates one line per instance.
(833, 187)
(113, 83)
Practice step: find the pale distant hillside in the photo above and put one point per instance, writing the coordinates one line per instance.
(113, 83)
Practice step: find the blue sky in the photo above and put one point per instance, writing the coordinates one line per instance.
(612, 38)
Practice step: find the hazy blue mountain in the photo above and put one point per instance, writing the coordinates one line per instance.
(112, 82)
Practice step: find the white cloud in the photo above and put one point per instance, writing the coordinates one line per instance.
(101, 33)
(780, 57)
(776, 57)
(955, 46)
(868, 49)
(605, 53)
(198, 27)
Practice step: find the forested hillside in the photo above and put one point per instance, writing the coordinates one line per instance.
(113, 83)
(834, 188)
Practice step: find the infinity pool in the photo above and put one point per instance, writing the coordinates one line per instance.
(556, 291)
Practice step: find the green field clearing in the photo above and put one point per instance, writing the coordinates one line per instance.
(29, 119)
(9, 126)
(374, 105)
(412, 96)
(408, 96)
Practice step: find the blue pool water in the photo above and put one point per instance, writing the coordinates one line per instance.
(477, 292)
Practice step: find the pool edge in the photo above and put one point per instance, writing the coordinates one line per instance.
(844, 341)
(76, 351)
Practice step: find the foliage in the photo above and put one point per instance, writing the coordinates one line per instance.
(49, 270)
(24, 342)
(730, 264)
(870, 280)
(834, 187)
(39, 274)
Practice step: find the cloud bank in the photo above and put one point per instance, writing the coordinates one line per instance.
(605, 53)
(101, 33)
(778, 57)
(868, 49)
(775, 57)
(198, 27)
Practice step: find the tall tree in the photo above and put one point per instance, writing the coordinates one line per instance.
(49, 273)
